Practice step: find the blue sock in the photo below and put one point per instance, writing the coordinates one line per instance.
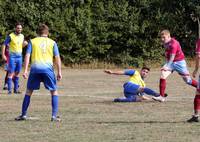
(54, 103)
(151, 92)
(9, 84)
(16, 83)
(25, 104)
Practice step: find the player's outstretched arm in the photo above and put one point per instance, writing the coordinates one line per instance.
(114, 72)
(58, 65)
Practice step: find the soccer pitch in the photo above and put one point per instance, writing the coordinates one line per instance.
(89, 115)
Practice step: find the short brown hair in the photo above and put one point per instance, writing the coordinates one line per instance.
(146, 68)
(42, 28)
(17, 24)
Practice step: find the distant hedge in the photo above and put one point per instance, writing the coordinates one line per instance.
(113, 31)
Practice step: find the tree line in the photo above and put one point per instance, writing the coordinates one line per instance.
(110, 31)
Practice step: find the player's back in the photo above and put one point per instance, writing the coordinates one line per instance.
(42, 54)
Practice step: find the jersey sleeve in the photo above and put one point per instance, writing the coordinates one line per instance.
(55, 50)
(29, 48)
(129, 72)
(7, 41)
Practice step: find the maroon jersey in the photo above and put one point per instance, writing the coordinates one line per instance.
(198, 47)
(173, 47)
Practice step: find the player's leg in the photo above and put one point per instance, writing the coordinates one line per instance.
(128, 98)
(148, 91)
(181, 68)
(162, 84)
(25, 105)
(50, 83)
(16, 76)
(196, 105)
(32, 84)
(54, 104)
(163, 77)
(130, 93)
(11, 68)
(5, 87)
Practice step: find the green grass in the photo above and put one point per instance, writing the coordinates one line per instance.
(89, 115)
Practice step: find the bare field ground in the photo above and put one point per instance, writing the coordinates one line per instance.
(89, 115)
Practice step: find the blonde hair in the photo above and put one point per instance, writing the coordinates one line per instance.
(165, 32)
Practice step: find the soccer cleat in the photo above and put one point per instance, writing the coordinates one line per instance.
(159, 99)
(9, 92)
(17, 92)
(193, 119)
(55, 119)
(5, 88)
(116, 100)
(21, 118)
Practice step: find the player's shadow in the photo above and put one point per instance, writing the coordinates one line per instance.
(141, 122)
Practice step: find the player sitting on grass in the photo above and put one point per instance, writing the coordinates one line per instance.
(135, 88)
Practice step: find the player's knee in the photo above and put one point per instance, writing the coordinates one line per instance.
(163, 75)
(140, 90)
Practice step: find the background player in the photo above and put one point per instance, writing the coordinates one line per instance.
(16, 42)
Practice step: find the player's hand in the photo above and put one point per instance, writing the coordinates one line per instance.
(108, 71)
(194, 73)
(165, 68)
(25, 43)
(59, 76)
(25, 75)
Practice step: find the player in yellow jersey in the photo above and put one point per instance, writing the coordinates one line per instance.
(16, 42)
(135, 88)
(42, 50)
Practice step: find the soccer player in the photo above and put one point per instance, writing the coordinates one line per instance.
(197, 97)
(135, 88)
(175, 61)
(16, 42)
(42, 51)
(6, 68)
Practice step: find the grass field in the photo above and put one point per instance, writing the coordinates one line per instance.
(89, 115)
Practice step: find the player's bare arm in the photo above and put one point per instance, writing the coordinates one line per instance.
(26, 63)
(58, 65)
(3, 52)
(114, 72)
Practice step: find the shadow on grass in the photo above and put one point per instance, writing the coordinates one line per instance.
(142, 122)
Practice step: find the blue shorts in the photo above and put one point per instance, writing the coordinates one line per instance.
(130, 89)
(180, 67)
(48, 79)
(15, 64)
